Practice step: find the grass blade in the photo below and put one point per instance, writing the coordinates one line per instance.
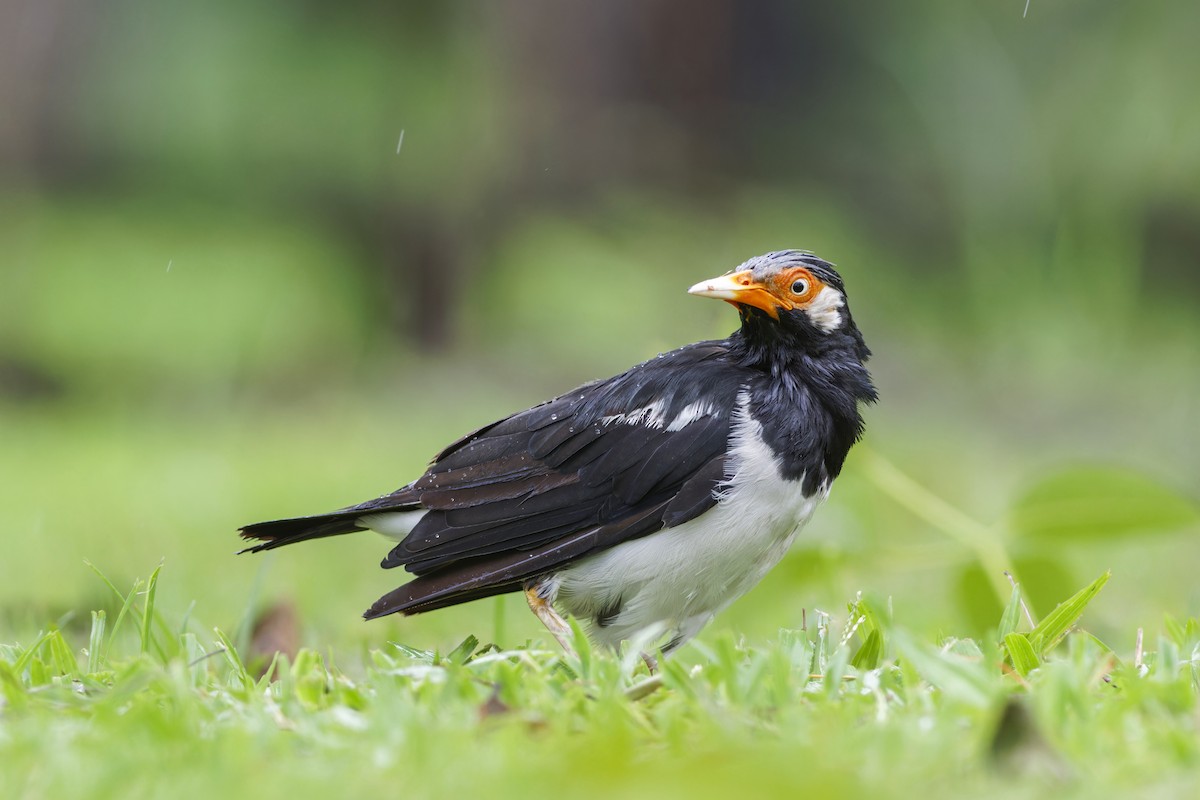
(1012, 613)
(956, 677)
(96, 641)
(148, 613)
(234, 660)
(1054, 627)
(463, 652)
(1021, 653)
(26, 657)
(62, 658)
(105, 579)
(125, 606)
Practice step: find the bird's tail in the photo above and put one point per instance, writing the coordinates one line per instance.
(278, 532)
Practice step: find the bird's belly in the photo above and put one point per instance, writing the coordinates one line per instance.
(678, 578)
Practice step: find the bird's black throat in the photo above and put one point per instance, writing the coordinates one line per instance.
(808, 397)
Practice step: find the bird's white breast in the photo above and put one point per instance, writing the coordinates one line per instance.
(680, 577)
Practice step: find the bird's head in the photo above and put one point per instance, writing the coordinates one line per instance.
(796, 322)
(791, 290)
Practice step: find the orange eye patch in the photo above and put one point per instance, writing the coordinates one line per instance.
(795, 287)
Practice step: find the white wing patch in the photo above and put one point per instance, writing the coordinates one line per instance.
(651, 416)
(654, 416)
(695, 411)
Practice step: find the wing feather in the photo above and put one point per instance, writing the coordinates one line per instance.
(608, 462)
(611, 461)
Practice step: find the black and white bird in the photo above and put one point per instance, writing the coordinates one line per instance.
(646, 503)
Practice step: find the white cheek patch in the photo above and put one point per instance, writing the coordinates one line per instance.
(825, 309)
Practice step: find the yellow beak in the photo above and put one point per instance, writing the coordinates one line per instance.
(738, 288)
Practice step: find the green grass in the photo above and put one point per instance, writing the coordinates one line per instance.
(1042, 450)
(855, 704)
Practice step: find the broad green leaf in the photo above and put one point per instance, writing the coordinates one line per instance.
(1021, 654)
(1098, 502)
(1054, 627)
(975, 600)
(870, 652)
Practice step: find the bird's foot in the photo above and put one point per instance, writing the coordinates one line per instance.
(651, 662)
(553, 621)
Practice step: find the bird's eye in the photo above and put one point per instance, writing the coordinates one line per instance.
(800, 287)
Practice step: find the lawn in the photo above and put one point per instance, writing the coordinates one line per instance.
(853, 704)
(129, 669)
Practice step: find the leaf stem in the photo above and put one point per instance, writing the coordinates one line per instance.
(983, 541)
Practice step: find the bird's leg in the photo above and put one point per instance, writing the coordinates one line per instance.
(553, 621)
(683, 634)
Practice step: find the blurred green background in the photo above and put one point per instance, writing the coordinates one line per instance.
(265, 259)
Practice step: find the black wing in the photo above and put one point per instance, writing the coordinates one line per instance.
(608, 462)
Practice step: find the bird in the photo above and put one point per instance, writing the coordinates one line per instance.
(645, 503)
